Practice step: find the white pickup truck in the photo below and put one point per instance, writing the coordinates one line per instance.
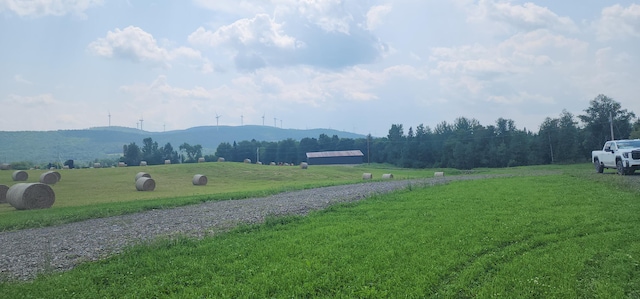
(623, 155)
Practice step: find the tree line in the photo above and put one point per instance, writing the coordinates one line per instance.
(462, 144)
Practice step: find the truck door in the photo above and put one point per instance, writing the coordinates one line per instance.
(609, 155)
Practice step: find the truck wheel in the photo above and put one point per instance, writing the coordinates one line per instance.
(620, 168)
(599, 167)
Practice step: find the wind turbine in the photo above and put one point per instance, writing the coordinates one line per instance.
(141, 120)
(241, 120)
(217, 120)
(263, 119)
(280, 123)
(274, 122)
(109, 118)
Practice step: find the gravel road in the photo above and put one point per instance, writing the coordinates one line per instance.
(25, 253)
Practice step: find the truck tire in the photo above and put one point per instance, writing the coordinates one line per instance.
(620, 168)
(599, 167)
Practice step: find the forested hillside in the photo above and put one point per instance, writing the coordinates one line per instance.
(107, 142)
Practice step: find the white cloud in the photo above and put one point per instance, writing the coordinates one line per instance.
(39, 8)
(375, 15)
(22, 80)
(31, 101)
(617, 22)
(133, 43)
(260, 30)
(528, 16)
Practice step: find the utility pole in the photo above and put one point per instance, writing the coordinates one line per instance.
(611, 124)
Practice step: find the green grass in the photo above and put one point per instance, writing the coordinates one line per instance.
(92, 193)
(553, 236)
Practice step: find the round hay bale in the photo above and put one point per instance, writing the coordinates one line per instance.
(166, 162)
(387, 176)
(199, 180)
(5, 166)
(143, 163)
(367, 176)
(58, 175)
(142, 174)
(438, 174)
(259, 163)
(304, 165)
(201, 160)
(3, 193)
(145, 184)
(272, 163)
(220, 159)
(49, 178)
(20, 175)
(122, 164)
(247, 161)
(65, 167)
(97, 165)
(29, 196)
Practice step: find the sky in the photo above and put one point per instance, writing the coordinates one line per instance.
(350, 65)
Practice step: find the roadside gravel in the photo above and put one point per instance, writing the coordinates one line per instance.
(25, 253)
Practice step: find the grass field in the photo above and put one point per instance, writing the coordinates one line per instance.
(568, 235)
(92, 193)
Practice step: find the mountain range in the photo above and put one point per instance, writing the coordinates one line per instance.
(107, 142)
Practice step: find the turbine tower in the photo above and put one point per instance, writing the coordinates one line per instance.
(241, 120)
(274, 122)
(217, 120)
(263, 119)
(141, 120)
(109, 118)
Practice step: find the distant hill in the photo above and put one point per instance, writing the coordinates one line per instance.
(106, 142)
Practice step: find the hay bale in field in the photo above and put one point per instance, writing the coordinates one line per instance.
(247, 161)
(5, 166)
(438, 174)
(20, 175)
(259, 163)
(387, 176)
(29, 196)
(58, 175)
(3, 193)
(142, 174)
(367, 176)
(201, 160)
(272, 163)
(200, 180)
(49, 178)
(122, 164)
(145, 184)
(304, 165)
(143, 163)
(220, 159)
(65, 167)
(166, 162)
(97, 165)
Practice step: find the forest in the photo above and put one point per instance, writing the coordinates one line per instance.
(462, 144)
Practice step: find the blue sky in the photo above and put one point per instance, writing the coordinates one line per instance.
(357, 66)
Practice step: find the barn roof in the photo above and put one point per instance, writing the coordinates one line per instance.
(353, 153)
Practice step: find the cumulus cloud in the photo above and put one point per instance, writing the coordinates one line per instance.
(133, 43)
(22, 80)
(318, 33)
(618, 22)
(40, 8)
(260, 30)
